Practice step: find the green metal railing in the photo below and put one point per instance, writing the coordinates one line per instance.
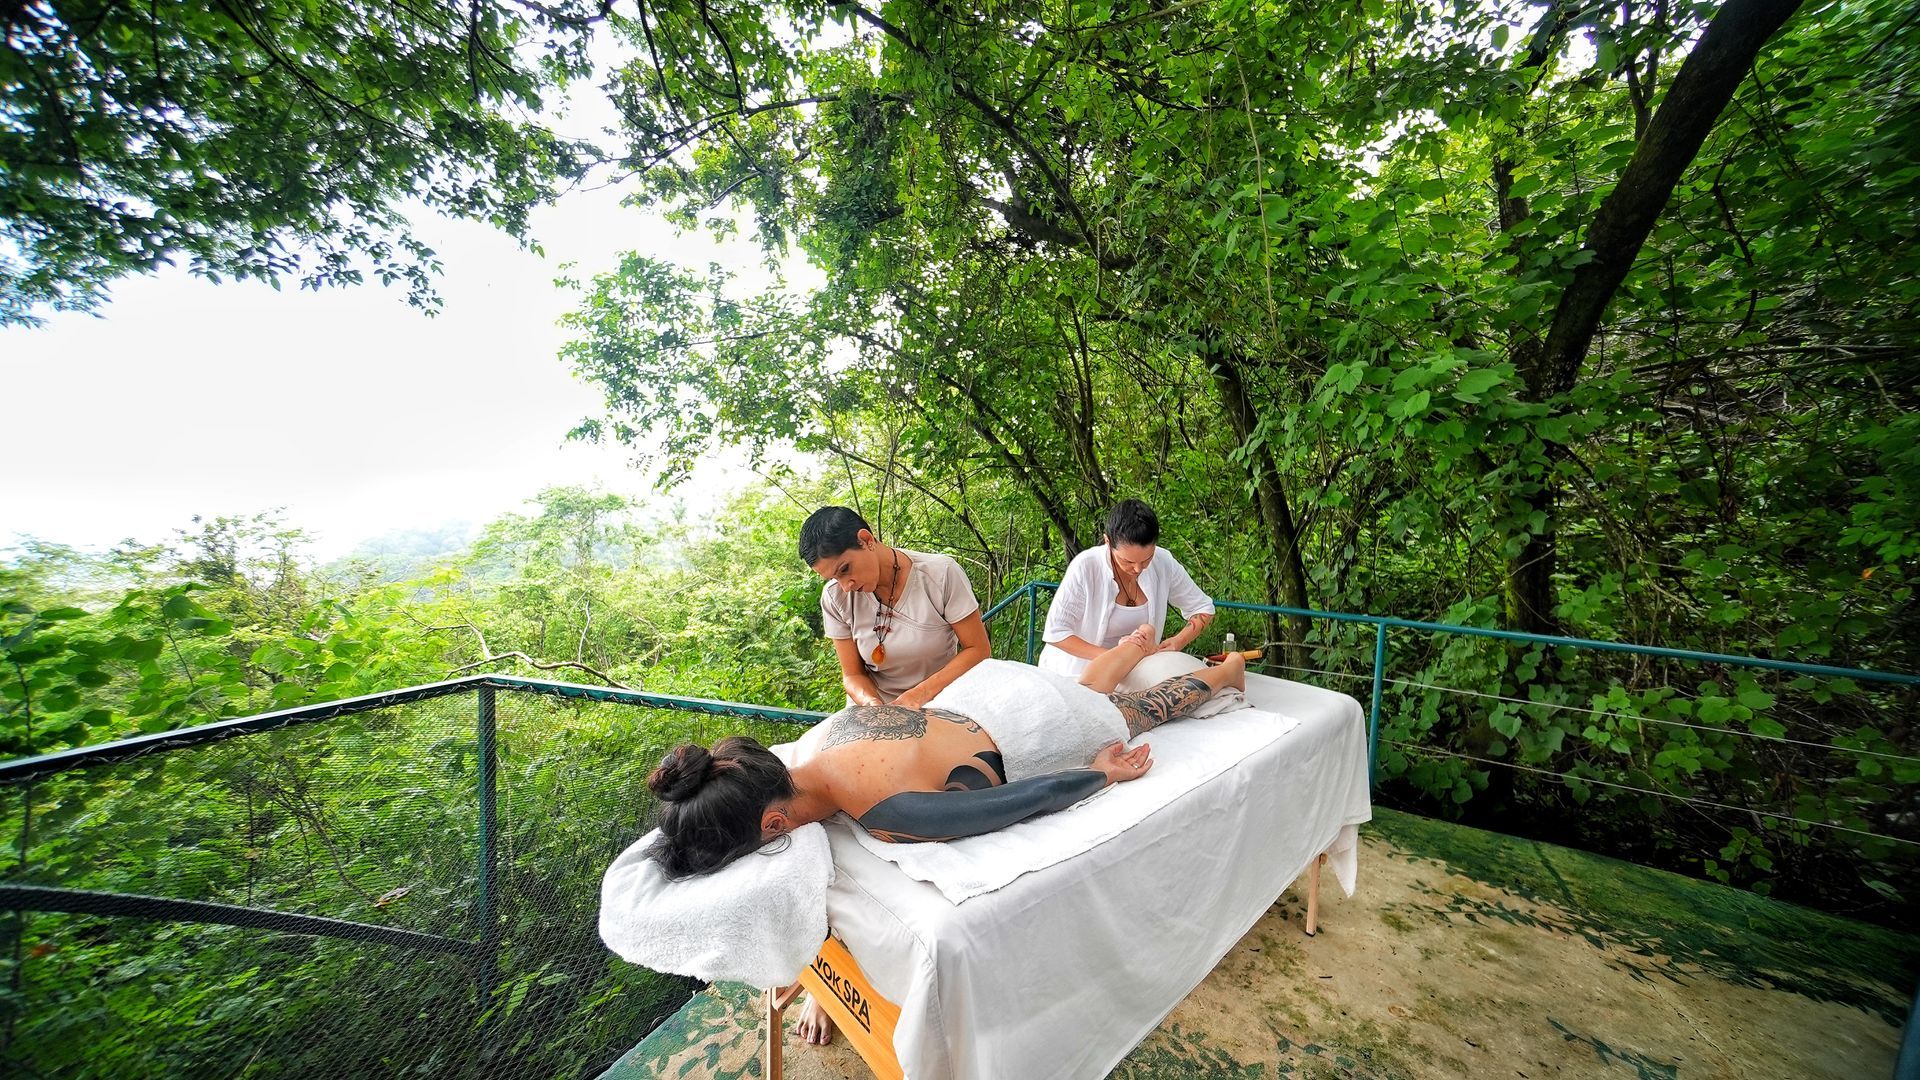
(1030, 592)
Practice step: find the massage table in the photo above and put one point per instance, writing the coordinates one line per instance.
(1063, 970)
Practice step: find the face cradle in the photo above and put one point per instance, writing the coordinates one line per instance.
(1132, 559)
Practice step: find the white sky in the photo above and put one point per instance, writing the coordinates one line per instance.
(355, 412)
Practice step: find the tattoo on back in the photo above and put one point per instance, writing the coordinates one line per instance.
(884, 722)
(913, 816)
(971, 777)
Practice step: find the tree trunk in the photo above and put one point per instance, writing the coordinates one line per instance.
(1701, 90)
(1287, 575)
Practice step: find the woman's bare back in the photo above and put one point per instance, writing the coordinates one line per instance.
(876, 751)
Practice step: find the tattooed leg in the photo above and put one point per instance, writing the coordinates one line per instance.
(1162, 703)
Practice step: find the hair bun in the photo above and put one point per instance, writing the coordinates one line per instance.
(681, 774)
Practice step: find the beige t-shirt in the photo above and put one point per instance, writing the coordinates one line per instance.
(937, 595)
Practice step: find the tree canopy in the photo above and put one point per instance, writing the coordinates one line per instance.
(268, 139)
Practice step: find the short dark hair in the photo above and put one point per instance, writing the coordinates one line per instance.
(829, 531)
(712, 802)
(1132, 522)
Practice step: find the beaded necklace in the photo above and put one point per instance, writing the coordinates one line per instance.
(883, 616)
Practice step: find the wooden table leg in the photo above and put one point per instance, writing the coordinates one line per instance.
(770, 1051)
(1313, 893)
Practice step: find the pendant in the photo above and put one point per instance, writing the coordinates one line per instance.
(879, 654)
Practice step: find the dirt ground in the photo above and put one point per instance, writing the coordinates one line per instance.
(1468, 953)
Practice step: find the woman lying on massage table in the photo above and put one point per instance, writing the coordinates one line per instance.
(905, 774)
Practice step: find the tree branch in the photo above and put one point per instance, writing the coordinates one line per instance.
(1701, 90)
(993, 115)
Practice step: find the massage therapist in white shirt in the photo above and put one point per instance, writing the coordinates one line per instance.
(904, 623)
(1110, 591)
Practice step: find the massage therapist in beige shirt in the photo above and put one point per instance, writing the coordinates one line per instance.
(904, 623)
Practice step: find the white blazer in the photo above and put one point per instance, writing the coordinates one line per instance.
(1085, 602)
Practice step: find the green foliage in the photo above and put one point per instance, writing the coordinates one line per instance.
(1290, 274)
(271, 141)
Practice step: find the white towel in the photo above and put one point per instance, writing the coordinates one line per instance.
(1042, 722)
(759, 920)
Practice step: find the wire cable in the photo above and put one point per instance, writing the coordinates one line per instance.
(1650, 720)
(1564, 777)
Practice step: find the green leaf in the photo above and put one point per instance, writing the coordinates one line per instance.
(140, 651)
(1477, 382)
(183, 607)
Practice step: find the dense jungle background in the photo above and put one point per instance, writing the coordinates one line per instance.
(1597, 320)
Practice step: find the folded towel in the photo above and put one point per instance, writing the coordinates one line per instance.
(1042, 722)
(759, 920)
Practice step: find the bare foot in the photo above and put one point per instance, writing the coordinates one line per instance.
(1142, 637)
(813, 1025)
(1236, 666)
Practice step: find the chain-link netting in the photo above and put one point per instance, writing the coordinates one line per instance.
(330, 899)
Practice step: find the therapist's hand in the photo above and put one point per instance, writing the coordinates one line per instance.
(916, 698)
(1195, 626)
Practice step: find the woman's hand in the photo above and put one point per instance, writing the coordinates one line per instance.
(914, 698)
(1141, 638)
(1121, 764)
(1194, 628)
(853, 674)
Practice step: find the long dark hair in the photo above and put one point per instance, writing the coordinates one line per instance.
(829, 531)
(711, 802)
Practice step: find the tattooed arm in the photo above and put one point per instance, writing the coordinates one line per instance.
(947, 815)
(913, 816)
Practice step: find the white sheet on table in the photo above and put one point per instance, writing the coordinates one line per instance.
(1185, 755)
(1064, 970)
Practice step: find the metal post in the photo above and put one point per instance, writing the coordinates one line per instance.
(1907, 1065)
(1033, 607)
(1373, 714)
(486, 902)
